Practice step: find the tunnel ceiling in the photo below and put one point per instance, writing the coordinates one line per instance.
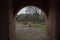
(18, 4)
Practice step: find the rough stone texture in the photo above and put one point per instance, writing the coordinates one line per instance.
(7, 21)
(7, 16)
(51, 21)
(11, 21)
(19, 4)
(4, 21)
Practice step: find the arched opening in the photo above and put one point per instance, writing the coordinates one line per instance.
(30, 24)
(7, 15)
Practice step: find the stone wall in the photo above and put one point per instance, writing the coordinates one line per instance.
(7, 19)
(51, 21)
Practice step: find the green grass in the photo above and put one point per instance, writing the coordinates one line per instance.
(43, 27)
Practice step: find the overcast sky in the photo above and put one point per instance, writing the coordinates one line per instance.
(23, 10)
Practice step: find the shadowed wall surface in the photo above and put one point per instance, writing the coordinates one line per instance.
(9, 9)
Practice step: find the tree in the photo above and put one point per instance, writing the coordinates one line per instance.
(31, 16)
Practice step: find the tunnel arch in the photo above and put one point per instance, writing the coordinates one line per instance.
(39, 10)
(10, 7)
(43, 10)
(46, 6)
(19, 4)
(43, 5)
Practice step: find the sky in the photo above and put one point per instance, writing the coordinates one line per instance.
(23, 11)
